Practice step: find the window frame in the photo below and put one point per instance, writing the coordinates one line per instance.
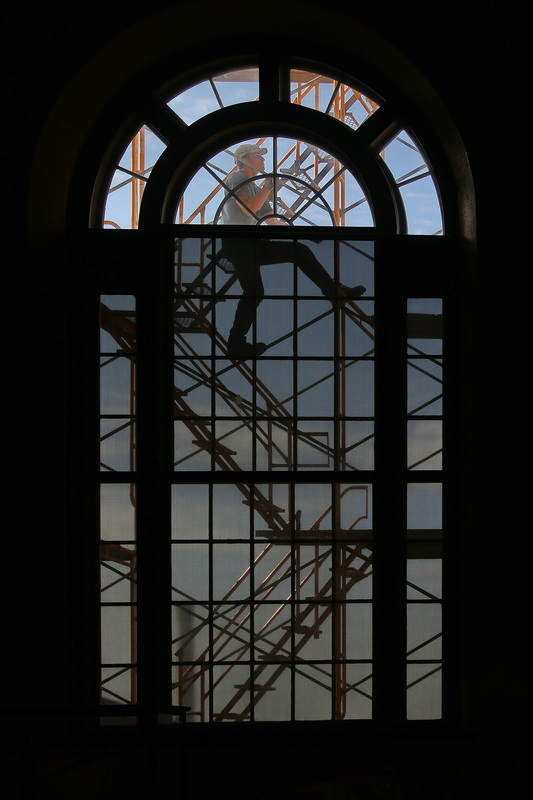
(116, 275)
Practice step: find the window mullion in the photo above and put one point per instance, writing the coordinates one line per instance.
(389, 495)
(273, 83)
(154, 459)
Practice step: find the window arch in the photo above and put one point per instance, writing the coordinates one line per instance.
(294, 532)
(398, 154)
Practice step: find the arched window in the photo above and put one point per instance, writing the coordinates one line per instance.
(274, 456)
(308, 175)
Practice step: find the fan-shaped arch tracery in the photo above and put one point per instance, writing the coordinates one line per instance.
(396, 174)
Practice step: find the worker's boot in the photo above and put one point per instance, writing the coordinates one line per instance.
(241, 350)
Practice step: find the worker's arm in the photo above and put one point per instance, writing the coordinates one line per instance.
(251, 204)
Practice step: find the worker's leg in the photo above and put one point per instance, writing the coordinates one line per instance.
(248, 271)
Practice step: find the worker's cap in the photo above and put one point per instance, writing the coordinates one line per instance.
(244, 150)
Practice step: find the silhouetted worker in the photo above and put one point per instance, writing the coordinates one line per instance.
(248, 204)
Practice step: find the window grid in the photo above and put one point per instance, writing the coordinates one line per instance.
(288, 613)
(245, 453)
(266, 517)
(257, 408)
(118, 536)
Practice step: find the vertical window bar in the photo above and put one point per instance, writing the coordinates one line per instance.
(389, 491)
(154, 465)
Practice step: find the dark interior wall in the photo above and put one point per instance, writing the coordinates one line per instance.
(478, 62)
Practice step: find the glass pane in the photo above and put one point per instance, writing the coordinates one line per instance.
(424, 573)
(424, 506)
(424, 444)
(231, 693)
(117, 445)
(118, 688)
(357, 377)
(331, 96)
(129, 179)
(273, 571)
(272, 516)
(315, 444)
(356, 692)
(313, 692)
(356, 266)
(117, 573)
(425, 327)
(316, 328)
(314, 566)
(316, 388)
(190, 572)
(424, 352)
(193, 269)
(275, 319)
(192, 387)
(231, 512)
(424, 691)
(357, 446)
(117, 382)
(356, 572)
(190, 632)
(296, 184)
(272, 694)
(117, 324)
(424, 383)
(192, 446)
(313, 504)
(117, 512)
(191, 686)
(231, 633)
(414, 178)
(358, 633)
(117, 643)
(231, 572)
(190, 511)
(273, 640)
(356, 511)
(193, 328)
(225, 89)
(424, 631)
(237, 439)
(424, 593)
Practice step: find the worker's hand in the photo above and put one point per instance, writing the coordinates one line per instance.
(276, 221)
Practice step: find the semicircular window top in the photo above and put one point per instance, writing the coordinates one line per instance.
(310, 186)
